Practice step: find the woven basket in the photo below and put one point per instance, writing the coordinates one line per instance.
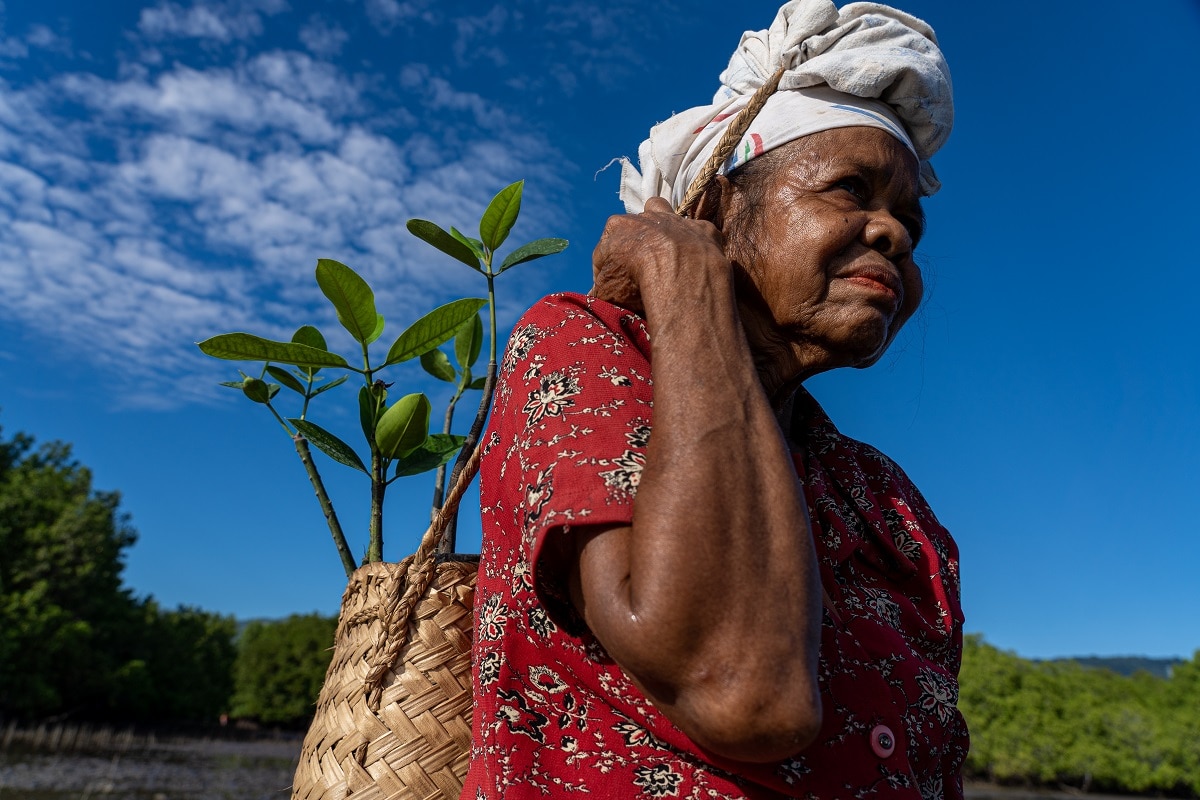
(414, 741)
(393, 720)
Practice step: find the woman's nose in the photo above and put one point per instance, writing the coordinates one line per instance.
(885, 234)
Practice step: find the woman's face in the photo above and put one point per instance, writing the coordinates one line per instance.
(826, 242)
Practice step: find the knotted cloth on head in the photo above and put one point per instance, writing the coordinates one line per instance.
(868, 64)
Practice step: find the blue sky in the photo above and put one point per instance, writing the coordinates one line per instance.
(172, 170)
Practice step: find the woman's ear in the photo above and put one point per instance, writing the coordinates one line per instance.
(715, 202)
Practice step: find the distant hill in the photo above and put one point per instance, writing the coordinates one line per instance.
(1127, 665)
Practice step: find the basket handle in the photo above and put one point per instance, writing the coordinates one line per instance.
(729, 142)
(398, 609)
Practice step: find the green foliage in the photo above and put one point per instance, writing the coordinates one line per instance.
(73, 640)
(396, 435)
(1061, 723)
(188, 656)
(435, 451)
(63, 612)
(280, 667)
(352, 298)
(329, 444)
(404, 426)
(469, 343)
(434, 329)
(535, 249)
(247, 347)
(452, 246)
(437, 364)
(500, 215)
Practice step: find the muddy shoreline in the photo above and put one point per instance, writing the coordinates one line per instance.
(225, 769)
(205, 769)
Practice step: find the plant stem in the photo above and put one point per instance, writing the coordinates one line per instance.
(439, 488)
(378, 488)
(485, 403)
(286, 428)
(331, 518)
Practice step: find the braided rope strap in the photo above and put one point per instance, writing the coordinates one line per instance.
(728, 143)
(396, 613)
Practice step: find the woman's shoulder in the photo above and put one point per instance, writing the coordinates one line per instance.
(567, 308)
(576, 324)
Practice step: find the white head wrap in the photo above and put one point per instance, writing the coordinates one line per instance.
(868, 65)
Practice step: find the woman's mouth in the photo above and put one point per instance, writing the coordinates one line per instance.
(877, 281)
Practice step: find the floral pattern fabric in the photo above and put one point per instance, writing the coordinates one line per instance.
(554, 713)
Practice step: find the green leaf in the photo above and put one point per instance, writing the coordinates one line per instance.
(404, 426)
(257, 390)
(468, 343)
(428, 232)
(478, 383)
(475, 245)
(309, 335)
(272, 390)
(500, 215)
(366, 412)
(329, 444)
(438, 449)
(248, 347)
(287, 379)
(233, 384)
(437, 364)
(375, 334)
(433, 330)
(351, 297)
(330, 385)
(535, 249)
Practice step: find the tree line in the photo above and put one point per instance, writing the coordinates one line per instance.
(76, 644)
(1061, 723)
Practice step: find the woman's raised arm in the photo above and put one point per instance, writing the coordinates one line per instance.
(710, 600)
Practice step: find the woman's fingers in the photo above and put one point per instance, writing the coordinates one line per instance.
(660, 205)
(650, 248)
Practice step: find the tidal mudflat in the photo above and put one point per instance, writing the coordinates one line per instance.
(182, 769)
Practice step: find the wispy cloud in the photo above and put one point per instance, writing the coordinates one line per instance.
(387, 15)
(223, 22)
(142, 212)
(323, 38)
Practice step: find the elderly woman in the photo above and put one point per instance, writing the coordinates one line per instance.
(692, 585)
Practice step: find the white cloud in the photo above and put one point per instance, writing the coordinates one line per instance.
(219, 21)
(38, 37)
(12, 47)
(476, 36)
(385, 15)
(323, 38)
(44, 38)
(204, 103)
(141, 213)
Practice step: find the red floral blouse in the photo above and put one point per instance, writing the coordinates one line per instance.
(554, 713)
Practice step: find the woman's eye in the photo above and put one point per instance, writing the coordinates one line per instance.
(855, 186)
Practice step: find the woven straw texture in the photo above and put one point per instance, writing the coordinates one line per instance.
(410, 739)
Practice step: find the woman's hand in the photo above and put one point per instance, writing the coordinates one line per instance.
(651, 252)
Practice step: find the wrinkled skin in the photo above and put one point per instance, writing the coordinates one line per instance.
(839, 217)
(775, 281)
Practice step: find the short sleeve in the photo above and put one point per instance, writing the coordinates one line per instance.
(568, 434)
